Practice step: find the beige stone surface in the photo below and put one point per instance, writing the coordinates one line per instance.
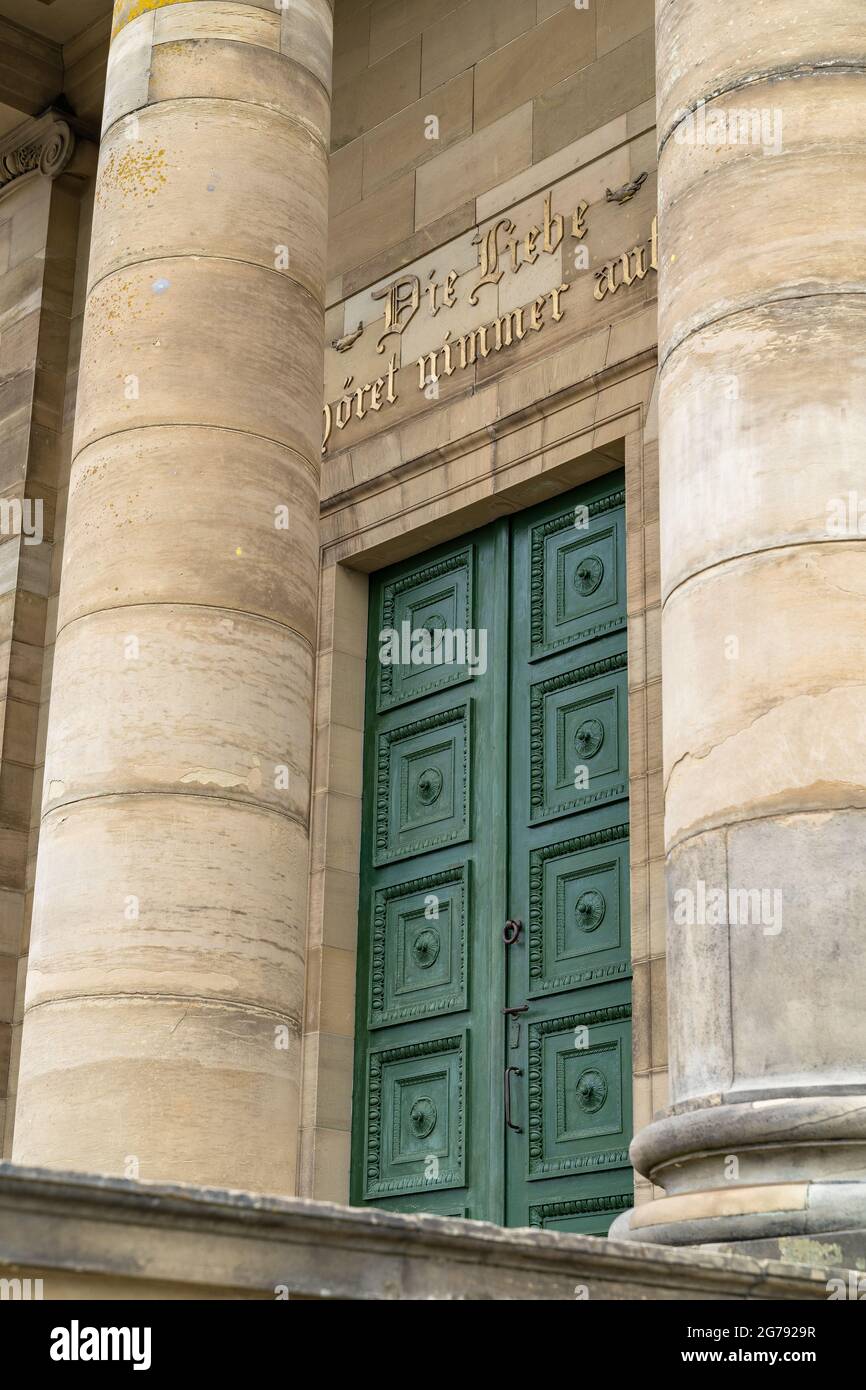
(614, 83)
(793, 260)
(730, 756)
(39, 227)
(581, 155)
(393, 22)
(410, 138)
(191, 734)
(458, 40)
(85, 58)
(487, 158)
(727, 390)
(120, 1240)
(223, 69)
(127, 76)
(306, 38)
(345, 181)
(533, 63)
(759, 431)
(175, 324)
(180, 184)
(620, 20)
(377, 93)
(402, 253)
(723, 1202)
(167, 950)
(698, 57)
(371, 226)
(217, 19)
(139, 484)
(189, 1107)
(236, 928)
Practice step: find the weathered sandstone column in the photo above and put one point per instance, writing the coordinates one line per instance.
(165, 988)
(762, 405)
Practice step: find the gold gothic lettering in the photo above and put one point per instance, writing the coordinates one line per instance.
(403, 297)
(627, 267)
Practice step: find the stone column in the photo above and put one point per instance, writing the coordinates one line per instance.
(762, 407)
(166, 978)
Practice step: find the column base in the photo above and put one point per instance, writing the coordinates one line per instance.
(810, 1223)
(764, 1177)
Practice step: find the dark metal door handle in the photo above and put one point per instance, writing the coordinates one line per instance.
(511, 931)
(517, 1072)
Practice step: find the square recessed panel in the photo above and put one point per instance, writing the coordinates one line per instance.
(585, 1216)
(577, 566)
(580, 1102)
(422, 785)
(435, 599)
(579, 911)
(419, 948)
(416, 1121)
(578, 739)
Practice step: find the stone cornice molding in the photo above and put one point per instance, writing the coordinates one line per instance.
(43, 146)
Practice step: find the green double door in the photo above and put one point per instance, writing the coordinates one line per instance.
(493, 1058)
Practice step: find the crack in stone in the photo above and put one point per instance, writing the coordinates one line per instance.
(811, 694)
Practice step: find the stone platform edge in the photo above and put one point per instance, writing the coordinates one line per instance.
(89, 1237)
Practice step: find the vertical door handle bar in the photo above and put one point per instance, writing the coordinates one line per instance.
(517, 1072)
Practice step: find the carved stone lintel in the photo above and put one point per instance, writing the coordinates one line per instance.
(44, 146)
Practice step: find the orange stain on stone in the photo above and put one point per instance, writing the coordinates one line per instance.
(136, 173)
(125, 11)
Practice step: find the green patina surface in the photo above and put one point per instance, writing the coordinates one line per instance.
(493, 1066)
(125, 11)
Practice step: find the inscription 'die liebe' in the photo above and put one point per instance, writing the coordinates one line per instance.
(501, 251)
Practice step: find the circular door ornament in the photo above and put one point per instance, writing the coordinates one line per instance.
(423, 1117)
(435, 623)
(589, 738)
(429, 786)
(425, 948)
(589, 910)
(588, 575)
(591, 1090)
